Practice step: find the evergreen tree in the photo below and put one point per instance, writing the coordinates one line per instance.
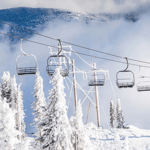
(8, 133)
(20, 112)
(83, 141)
(119, 115)
(80, 139)
(112, 114)
(13, 94)
(122, 120)
(17, 105)
(6, 87)
(39, 104)
(56, 128)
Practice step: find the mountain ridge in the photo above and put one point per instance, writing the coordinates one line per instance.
(36, 18)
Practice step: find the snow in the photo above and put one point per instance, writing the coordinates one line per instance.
(105, 139)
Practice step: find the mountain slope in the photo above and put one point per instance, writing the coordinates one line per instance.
(36, 18)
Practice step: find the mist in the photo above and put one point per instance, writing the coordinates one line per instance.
(119, 37)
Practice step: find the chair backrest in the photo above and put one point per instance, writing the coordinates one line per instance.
(125, 82)
(55, 61)
(23, 68)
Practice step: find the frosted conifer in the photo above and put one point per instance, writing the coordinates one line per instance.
(8, 133)
(56, 128)
(119, 115)
(17, 105)
(13, 94)
(80, 140)
(112, 114)
(6, 87)
(20, 112)
(39, 104)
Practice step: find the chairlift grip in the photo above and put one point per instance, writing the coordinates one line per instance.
(59, 44)
(127, 63)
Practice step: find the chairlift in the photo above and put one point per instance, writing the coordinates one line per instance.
(97, 79)
(23, 68)
(125, 82)
(143, 83)
(58, 61)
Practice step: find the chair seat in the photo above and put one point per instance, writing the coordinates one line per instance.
(125, 84)
(143, 88)
(26, 70)
(64, 73)
(96, 83)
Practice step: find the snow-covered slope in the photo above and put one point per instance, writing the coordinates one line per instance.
(138, 139)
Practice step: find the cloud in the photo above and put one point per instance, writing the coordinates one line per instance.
(90, 6)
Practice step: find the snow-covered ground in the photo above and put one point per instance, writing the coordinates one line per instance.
(104, 139)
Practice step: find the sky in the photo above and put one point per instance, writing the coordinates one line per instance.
(90, 6)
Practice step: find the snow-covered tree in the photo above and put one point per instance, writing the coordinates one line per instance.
(6, 87)
(112, 114)
(56, 128)
(20, 112)
(119, 115)
(80, 138)
(78, 116)
(17, 105)
(39, 104)
(13, 94)
(8, 133)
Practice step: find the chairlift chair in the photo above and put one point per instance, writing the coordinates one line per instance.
(58, 60)
(125, 82)
(23, 69)
(97, 80)
(52, 64)
(141, 88)
(143, 83)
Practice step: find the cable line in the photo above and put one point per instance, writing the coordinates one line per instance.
(73, 44)
(73, 51)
